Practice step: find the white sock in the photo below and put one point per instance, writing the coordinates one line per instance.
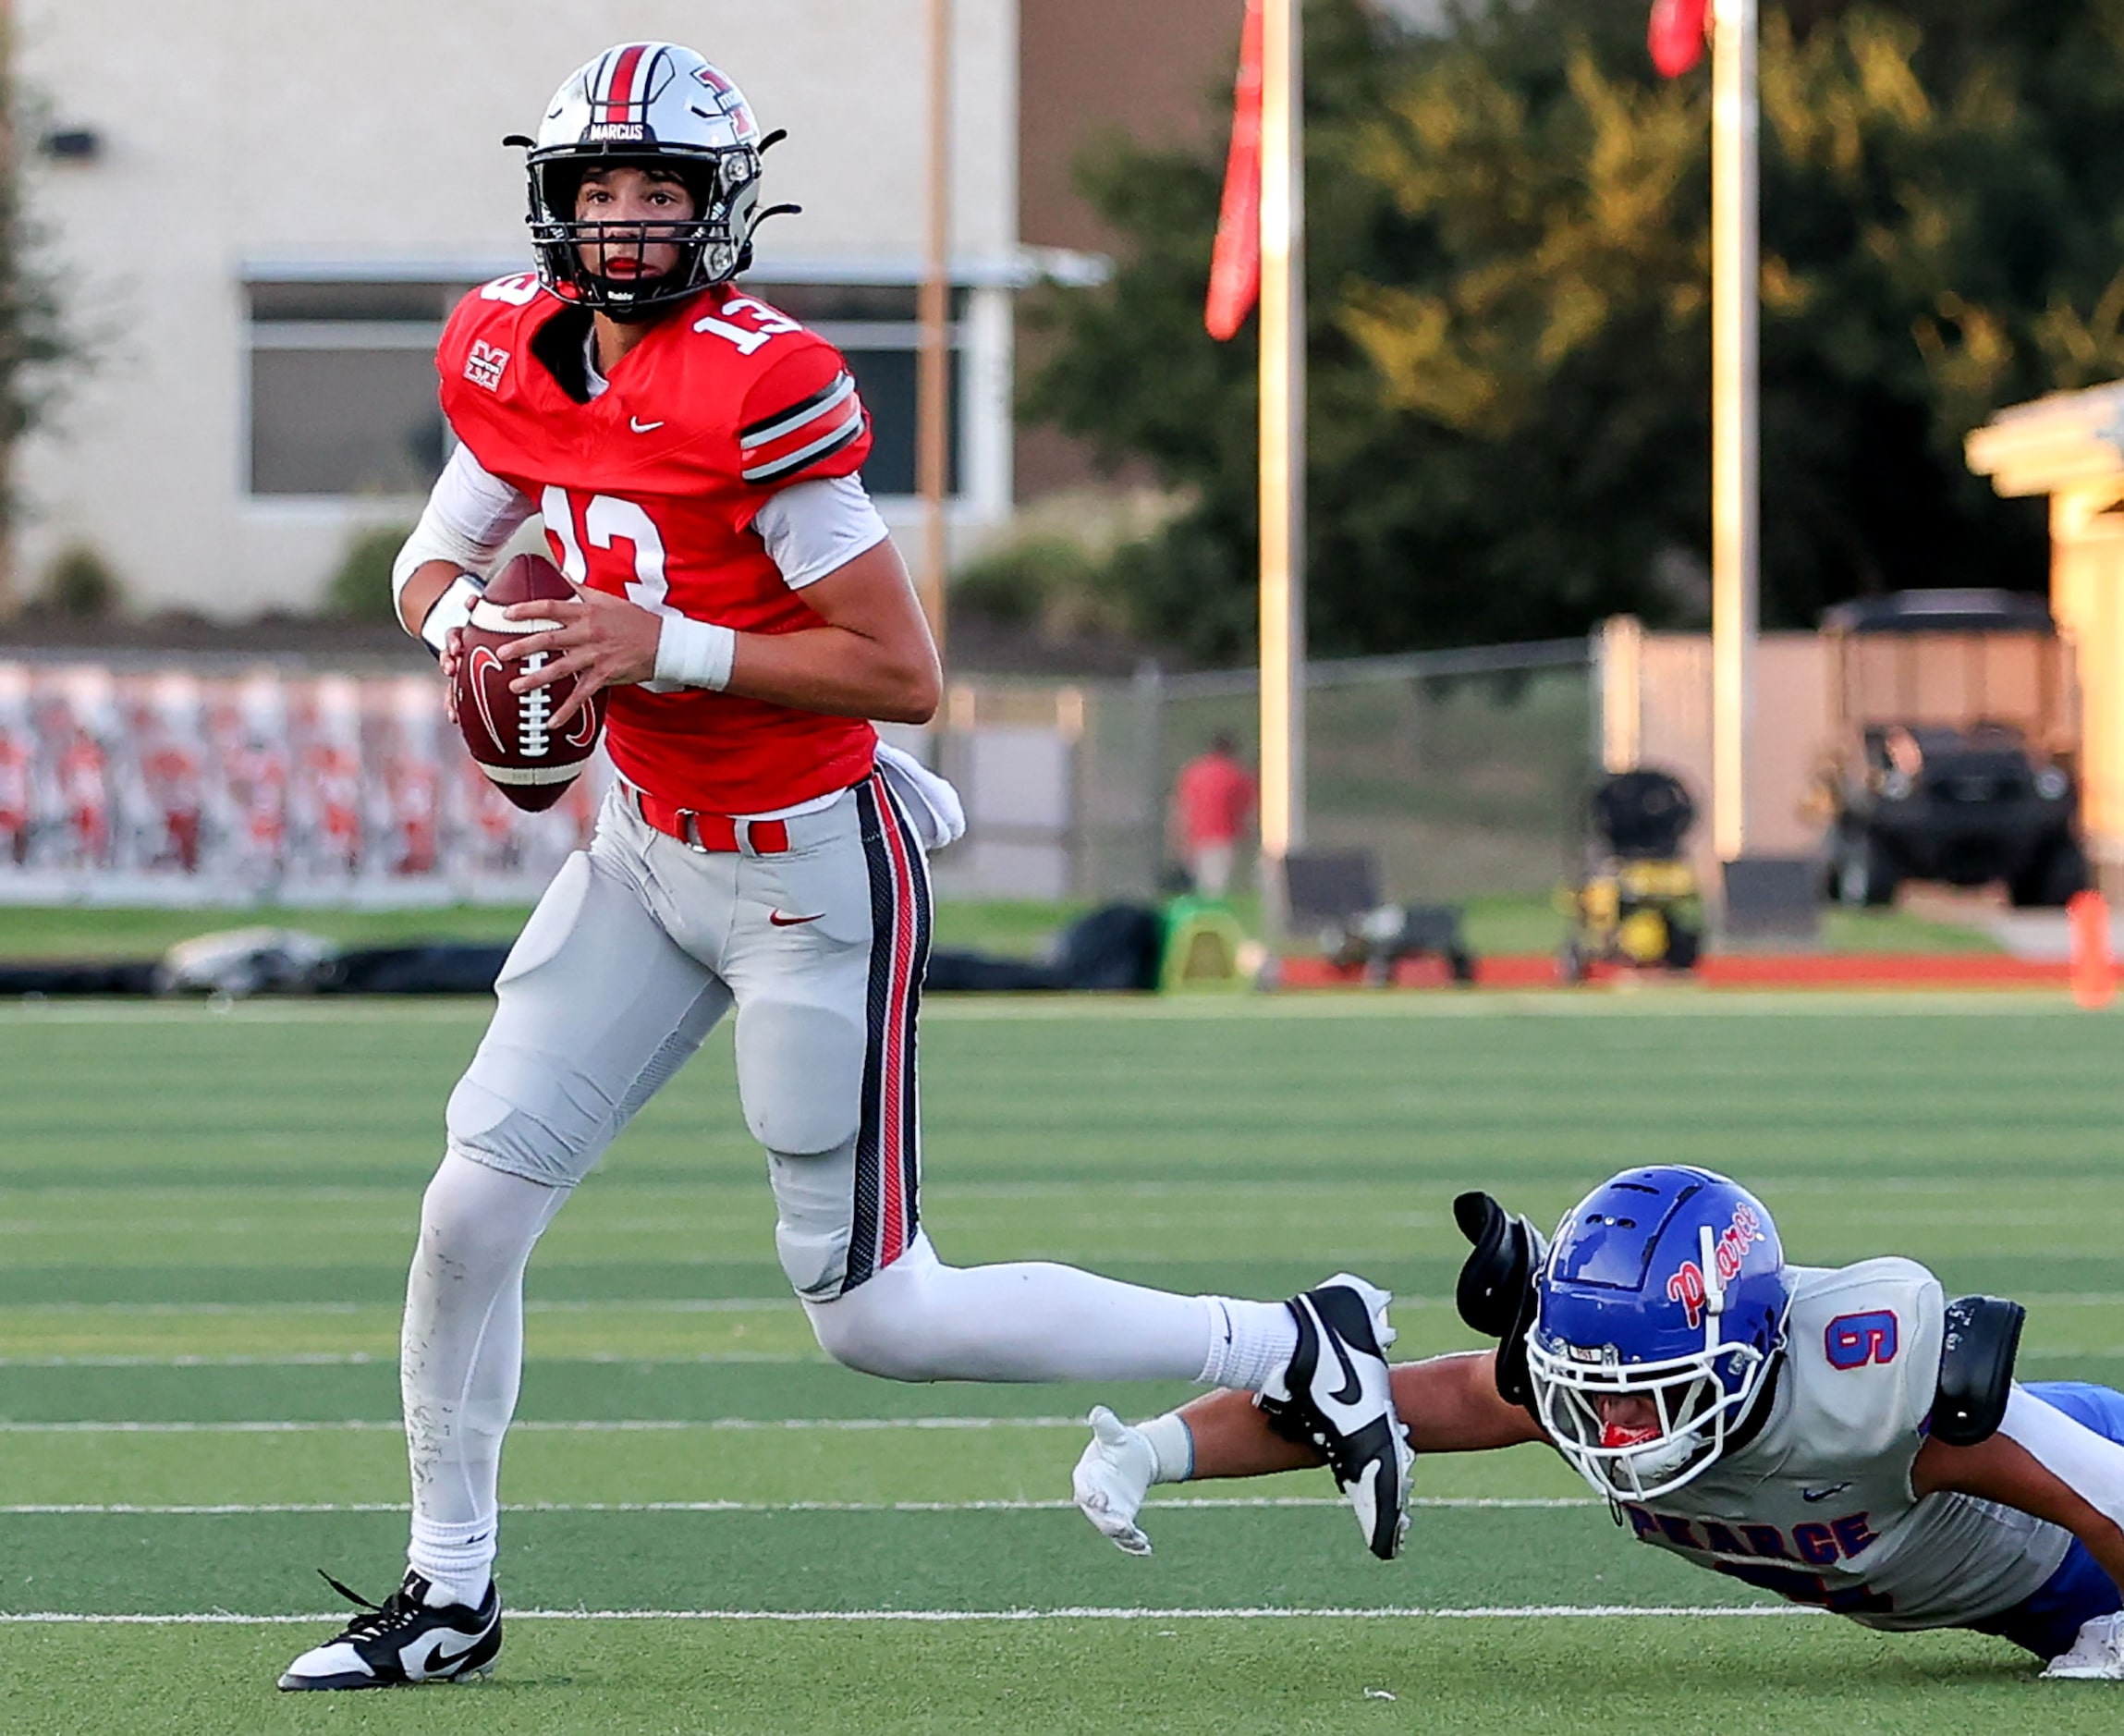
(457, 1562)
(459, 1360)
(1249, 1341)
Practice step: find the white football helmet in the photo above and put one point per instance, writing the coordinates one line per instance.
(645, 104)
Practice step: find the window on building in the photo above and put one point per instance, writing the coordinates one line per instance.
(343, 381)
(342, 387)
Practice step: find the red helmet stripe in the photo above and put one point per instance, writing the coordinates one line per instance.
(620, 91)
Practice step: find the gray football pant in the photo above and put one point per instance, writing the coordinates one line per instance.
(637, 949)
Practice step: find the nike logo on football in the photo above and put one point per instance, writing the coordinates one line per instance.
(1823, 1495)
(781, 920)
(639, 426)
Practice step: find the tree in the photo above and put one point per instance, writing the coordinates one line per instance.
(1508, 278)
(34, 338)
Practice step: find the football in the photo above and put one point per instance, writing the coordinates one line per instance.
(509, 734)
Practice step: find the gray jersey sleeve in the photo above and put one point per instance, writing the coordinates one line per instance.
(1862, 1345)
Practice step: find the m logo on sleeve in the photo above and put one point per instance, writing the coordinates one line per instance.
(485, 365)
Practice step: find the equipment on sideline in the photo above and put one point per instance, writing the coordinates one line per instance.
(509, 734)
(1637, 902)
(1956, 724)
(1667, 1285)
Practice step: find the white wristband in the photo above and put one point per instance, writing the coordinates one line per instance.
(1172, 1445)
(453, 608)
(695, 654)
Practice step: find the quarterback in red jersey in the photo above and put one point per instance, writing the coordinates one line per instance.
(693, 453)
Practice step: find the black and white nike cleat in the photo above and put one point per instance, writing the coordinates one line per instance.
(402, 1641)
(1335, 1393)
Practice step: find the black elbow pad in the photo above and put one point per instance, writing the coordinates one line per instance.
(1495, 1294)
(1976, 1368)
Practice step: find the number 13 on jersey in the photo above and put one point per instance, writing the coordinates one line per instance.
(608, 519)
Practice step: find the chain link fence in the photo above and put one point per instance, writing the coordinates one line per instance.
(1460, 771)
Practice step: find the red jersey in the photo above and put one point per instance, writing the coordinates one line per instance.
(648, 492)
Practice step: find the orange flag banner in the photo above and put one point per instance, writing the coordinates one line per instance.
(1234, 265)
(1675, 35)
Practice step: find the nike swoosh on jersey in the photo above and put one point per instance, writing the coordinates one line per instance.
(639, 426)
(1823, 1495)
(781, 920)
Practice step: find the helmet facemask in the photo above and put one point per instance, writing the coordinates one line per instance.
(714, 246)
(1696, 1410)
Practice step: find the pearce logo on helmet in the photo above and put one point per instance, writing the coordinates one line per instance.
(1687, 1286)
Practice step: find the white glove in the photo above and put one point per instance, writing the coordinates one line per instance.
(1112, 1478)
(2097, 1656)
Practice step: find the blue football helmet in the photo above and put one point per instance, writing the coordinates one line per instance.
(1665, 1287)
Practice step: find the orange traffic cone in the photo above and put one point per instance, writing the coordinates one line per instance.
(2094, 966)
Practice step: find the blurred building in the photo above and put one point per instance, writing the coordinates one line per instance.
(264, 212)
(1077, 87)
(2069, 447)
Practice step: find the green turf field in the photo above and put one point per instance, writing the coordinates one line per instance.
(205, 1218)
(1491, 925)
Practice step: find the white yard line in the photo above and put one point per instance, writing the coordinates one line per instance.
(704, 1304)
(699, 1359)
(1089, 1612)
(1681, 1001)
(669, 1305)
(246, 1509)
(356, 1359)
(625, 1426)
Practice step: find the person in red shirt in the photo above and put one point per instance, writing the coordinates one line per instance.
(1212, 801)
(693, 453)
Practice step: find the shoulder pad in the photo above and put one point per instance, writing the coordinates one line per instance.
(1495, 1294)
(492, 303)
(1976, 1368)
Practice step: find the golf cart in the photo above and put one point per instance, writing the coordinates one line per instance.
(1955, 719)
